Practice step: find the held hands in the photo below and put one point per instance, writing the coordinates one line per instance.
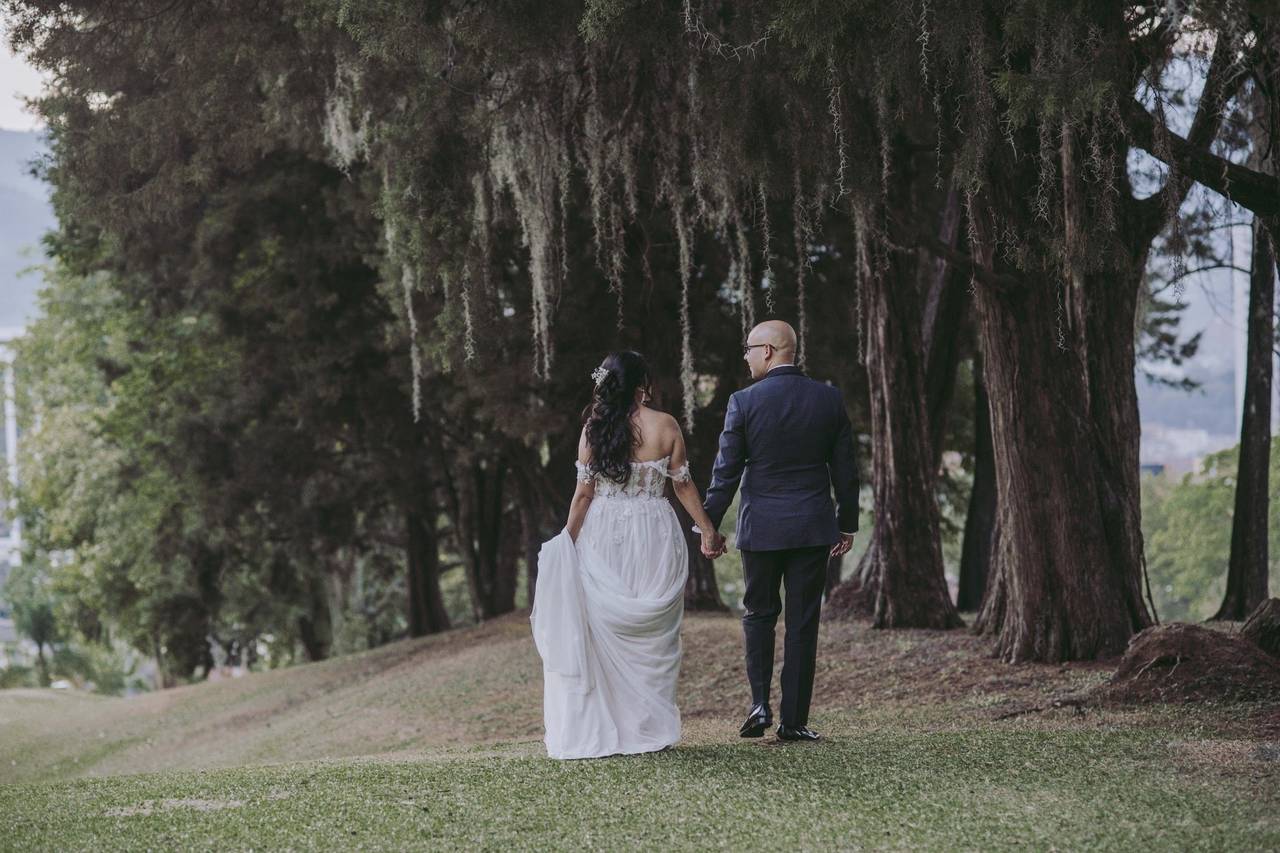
(842, 546)
(713, 544)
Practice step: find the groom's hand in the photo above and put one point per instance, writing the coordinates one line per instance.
(712, 545)
(842, 547)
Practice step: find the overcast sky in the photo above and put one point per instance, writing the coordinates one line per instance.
(17, 79)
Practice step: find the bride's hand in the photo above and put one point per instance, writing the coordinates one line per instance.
(712, 544)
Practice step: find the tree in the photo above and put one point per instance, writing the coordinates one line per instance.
(1247, 572)
(28, 591)
(1248, 567)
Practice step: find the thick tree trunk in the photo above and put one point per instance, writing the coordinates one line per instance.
(1066, 578)
(1247, 572)
(912, 353)
(979, 523)
(912, 590)
(427, 614)
(1067, 575)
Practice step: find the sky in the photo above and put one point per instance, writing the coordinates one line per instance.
(17, 79)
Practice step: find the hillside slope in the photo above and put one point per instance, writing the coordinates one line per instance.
(469, 686)
(482, 685)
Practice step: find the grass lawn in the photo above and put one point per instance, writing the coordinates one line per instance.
(435, 744)
(861, 788)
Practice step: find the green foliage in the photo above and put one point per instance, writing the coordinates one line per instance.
(311, 256)
(28, 591)
(1187, 528)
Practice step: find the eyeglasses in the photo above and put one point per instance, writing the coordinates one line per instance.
(746, 348)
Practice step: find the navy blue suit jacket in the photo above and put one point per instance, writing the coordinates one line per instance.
(788, 440)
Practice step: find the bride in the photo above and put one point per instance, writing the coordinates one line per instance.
(610, 593)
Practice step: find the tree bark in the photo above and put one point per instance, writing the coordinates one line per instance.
(909, 587)
(1262, 628)
(1067, 575)
(315, 627)
(1067, 569)
(979, 524)
(1247, 571)
(427, 614)
(929, 337)
(476, 500)
(946, 307)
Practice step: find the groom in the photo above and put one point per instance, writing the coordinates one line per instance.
(787, 439)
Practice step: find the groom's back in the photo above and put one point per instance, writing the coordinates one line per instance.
(796, 443)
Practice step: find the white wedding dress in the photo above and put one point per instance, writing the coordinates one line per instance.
(606, 620)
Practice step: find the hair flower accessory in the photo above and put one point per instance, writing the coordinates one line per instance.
(598, 375)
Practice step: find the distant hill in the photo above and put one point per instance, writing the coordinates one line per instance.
(25, 216)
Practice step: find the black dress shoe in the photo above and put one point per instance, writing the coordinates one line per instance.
(758, 719)
(797, 733)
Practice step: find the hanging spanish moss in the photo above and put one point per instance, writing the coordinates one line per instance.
(801, 216)
(468, 334)
(530, 161)
(684, 233)
(415, 355)
(345, 133)
(741, 270)
(766, 248)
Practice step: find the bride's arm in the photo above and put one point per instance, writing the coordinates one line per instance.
(583, 494)
(687, 492)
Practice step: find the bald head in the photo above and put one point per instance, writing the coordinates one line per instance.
(770, 344)
(777, 334)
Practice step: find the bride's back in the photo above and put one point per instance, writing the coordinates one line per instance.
(656, 433)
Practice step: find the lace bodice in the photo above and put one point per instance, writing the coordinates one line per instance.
(647, 480)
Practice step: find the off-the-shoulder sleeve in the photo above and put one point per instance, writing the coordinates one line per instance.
(585, 474)
(681, 474)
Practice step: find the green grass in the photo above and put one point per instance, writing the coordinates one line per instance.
(879, 788)
(435, 743)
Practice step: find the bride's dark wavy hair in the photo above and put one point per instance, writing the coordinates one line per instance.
(608, 418)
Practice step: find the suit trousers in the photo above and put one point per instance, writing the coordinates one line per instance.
(803, 571)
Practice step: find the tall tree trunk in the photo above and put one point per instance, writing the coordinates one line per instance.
(911, 388)
(1247, 572)
(946, 308)
(476, 499)
(979, 524)
(531, 536)
(42, 665)
(315, 627)
(1066, 575)
(912, 590)
(427, 614)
